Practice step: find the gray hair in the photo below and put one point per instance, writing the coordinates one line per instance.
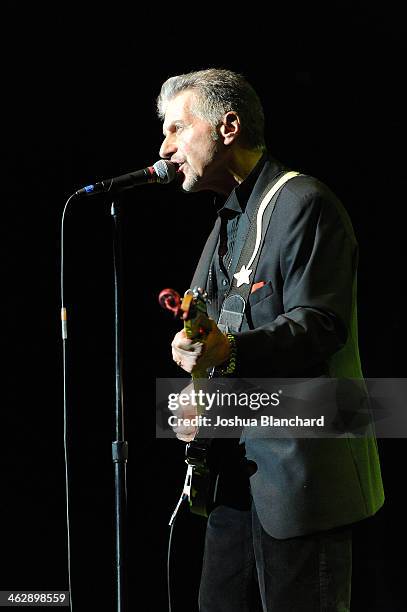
(218, 92)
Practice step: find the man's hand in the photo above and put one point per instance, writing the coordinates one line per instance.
(196, 357)
(186, 433)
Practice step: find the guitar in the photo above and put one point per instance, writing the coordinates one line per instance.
(201, 479)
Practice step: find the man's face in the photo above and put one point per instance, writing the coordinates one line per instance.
(189, 141)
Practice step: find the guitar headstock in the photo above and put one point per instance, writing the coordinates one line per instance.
(192, 309)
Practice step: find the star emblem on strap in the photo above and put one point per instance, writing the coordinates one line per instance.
(243, 277)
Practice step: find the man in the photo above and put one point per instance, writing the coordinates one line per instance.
(285, 539)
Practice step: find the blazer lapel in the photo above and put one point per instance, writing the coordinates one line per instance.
(201, 273)
(271, 169)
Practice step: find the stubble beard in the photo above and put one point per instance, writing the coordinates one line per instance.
(191, 182)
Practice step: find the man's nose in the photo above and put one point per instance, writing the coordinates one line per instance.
(168, 147)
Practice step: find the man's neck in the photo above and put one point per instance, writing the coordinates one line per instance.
(238, 164)
(243, 162)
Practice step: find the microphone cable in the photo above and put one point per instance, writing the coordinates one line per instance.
(172, 523)
(64, 324)
(185, 496)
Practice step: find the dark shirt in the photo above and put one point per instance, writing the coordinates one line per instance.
(233, 484)
(223, 262)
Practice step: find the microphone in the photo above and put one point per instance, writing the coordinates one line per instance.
(162, 171)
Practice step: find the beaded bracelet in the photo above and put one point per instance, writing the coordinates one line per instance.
(230, 365)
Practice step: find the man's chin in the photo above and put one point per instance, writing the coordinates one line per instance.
(190, 185)
(188, 189)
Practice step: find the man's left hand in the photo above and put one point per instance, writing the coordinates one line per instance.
(195, 357)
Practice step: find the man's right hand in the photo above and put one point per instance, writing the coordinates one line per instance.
(186, 433)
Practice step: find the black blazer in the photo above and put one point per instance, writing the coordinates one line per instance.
(303, 323)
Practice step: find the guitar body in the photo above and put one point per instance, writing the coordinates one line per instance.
(204, 477)
(192, 310)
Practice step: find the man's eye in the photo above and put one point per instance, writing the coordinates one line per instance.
(178, 127)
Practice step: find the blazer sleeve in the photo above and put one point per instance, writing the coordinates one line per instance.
(317, 265)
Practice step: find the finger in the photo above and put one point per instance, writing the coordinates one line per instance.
(180, 353)
(181, 338)
(186, 361)
(190, 347)
(185, 438)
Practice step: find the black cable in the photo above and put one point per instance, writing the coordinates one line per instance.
(64, 339)
(172, 523)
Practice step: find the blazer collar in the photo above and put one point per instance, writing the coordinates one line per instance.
(272, 168)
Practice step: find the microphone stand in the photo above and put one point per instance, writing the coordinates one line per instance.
(119, 445)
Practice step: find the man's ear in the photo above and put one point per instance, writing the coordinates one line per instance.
(230, 127)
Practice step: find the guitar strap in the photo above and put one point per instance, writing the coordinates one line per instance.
(234, 304)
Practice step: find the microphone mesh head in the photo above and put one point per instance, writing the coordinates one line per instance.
(165, 170)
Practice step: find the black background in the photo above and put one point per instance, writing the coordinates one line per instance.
(79, 88)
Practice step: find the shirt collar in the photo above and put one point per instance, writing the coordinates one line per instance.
(238, 198)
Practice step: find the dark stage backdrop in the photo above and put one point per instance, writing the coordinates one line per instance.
(79, 90)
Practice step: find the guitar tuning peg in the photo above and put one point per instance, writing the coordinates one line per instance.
(171, 300)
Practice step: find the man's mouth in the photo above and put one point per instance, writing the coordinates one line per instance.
(180, 165)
